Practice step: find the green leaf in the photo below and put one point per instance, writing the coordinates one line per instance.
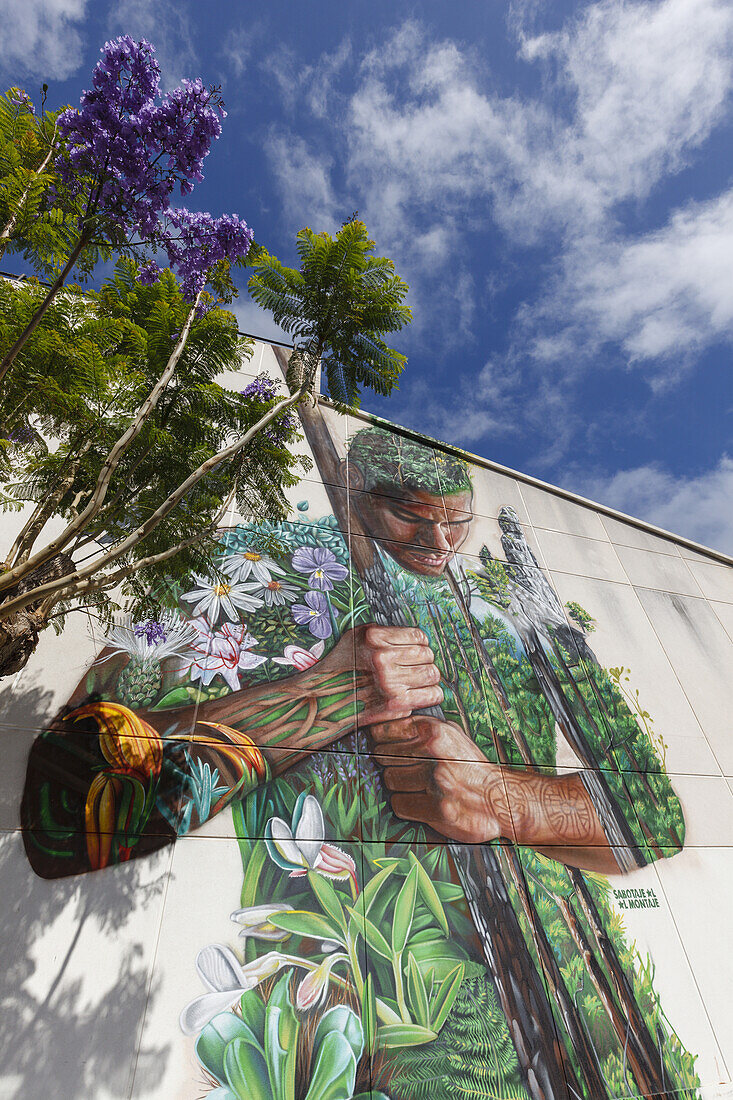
(178, 697)
(372, 888)
(246, 1071)
(371, 934)
(417, 993)
(213, 1040)
(403, 912)
(343, 1019)
(281, 1034)
(429, 894)
(328, 899)
(394, 1036)
(369, 1014)
(303, 923)
(334, 1074)
(445, 996)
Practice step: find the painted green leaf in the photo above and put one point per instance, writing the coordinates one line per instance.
(372, 888)
(334, 1074)
(343, 1019)
(281, 1033)
(328, 899)
(369, 1014)
(394, 1036)
(175, 698)
(213, 1041)
(403, 912)
(303, 923)
(445, 996)
(429, 894)
(253, 1014)
(246, 1071)
(221, 1093)
(417, 993)
(371, 934)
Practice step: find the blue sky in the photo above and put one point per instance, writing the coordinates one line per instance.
(554, 181)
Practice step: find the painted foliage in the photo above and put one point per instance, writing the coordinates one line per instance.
(429, 776)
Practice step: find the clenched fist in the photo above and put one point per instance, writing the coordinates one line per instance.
(397, 671)
(437, 775)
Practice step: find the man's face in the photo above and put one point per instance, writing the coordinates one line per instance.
(420, 531)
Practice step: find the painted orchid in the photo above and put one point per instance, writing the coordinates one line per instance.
(214, 598)
(240, 567)
(255, 921)
(314, 986)
(321, 566)
(224, 652)
(226, 979)
(300, 847)
(298, 657)
(314, 614)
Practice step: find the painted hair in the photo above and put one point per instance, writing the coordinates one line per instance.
(388, 460)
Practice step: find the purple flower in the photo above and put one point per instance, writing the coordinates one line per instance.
(132, 150)
(314, 614)
(153, 631)
(320, 565)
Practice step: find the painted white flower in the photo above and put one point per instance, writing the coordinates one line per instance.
(226, 980)
(214, 598)
(168, 636)
(224, 652)
(314, 985)
(298, 657)
(299, 847)
(275, 593)
(241, 566)
(255, 920)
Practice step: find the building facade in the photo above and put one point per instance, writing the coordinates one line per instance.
(428, 793)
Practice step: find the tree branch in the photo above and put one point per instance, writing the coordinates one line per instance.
(113, 459)
(141, 533)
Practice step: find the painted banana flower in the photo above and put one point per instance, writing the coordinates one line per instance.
(227, 979)
(300, 848)
(127, 742)
(312, 989)
(256, 921)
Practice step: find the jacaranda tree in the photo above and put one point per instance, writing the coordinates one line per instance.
(338, 307)
(114, 426)
(118, 159)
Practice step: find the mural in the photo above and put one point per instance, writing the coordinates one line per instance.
(429, 775)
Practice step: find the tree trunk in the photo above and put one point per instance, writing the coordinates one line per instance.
(20, 631)
(649, 1075)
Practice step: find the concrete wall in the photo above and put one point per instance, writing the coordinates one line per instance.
(105, 913)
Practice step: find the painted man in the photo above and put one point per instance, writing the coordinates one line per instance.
(108, 782)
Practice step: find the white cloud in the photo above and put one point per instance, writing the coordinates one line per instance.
(431, 152)
(237, 49)
(303, 179)
(41, 38)
(662, 296)
(166, 25)
(698, 507)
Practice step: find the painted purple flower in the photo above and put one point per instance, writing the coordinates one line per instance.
(320, 565)
(314, 614)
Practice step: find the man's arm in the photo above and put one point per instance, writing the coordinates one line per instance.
(438, 775)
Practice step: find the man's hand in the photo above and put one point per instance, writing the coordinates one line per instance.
(397, 672)
(437, 775)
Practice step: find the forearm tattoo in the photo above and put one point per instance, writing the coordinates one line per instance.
(543, 810)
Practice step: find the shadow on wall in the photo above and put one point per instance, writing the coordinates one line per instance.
(75, 957)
